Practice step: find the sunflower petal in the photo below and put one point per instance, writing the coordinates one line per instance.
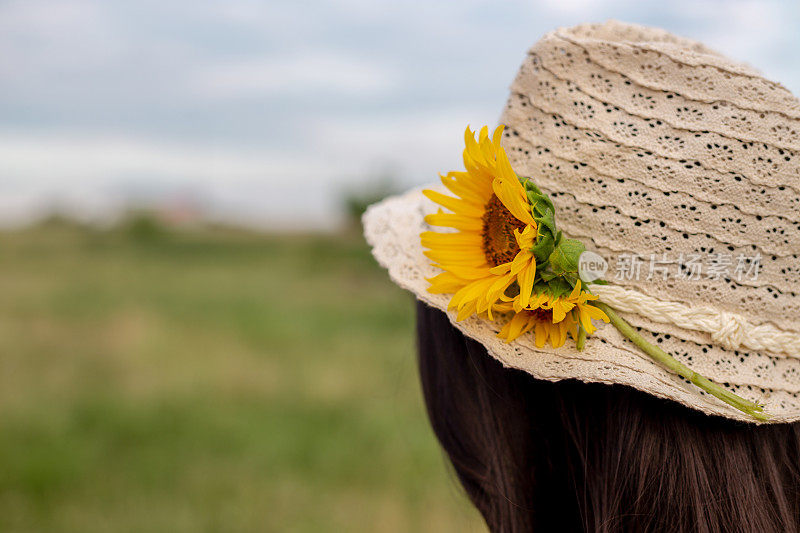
(456, 205)
(541, 333)
(497, 135)
(515, 327)
(525, 279)
(445, 283)
(512, 201)
(451, 220)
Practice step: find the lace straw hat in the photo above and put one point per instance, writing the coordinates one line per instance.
(681, 169)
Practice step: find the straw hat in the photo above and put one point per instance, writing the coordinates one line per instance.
(681, 169)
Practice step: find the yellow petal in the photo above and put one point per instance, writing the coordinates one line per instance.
(525, 239)
(466, 311)
(499, 287)
(525, 280)
(469, 258)
(467, 272)
(478, 182)
(455, 205)
(558, 312)
(445, 283)
(540, 333)
(502, 307)
(595, 312)
(515, 327)
(432, 239)
(464, 189)
(586, 297)
(499, 270)
(487, 149)
(451, 220)
(512, 201)
(571, 326)
(588, 312)
(471, 148)
(538, 301)
(521, 260)
(497, 135)
(576, 290)
(557, 336)
(586, 322)
(472, 292)
(505, 171)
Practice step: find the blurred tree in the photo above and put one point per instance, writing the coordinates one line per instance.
(143, 226)
(356, 199)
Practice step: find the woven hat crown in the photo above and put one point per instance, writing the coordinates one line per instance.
(652, 144)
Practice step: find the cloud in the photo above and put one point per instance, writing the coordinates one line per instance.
(269, 108)
(298, 187)
(95, 176)
(58, 159)
(39, 37)
(311, 73)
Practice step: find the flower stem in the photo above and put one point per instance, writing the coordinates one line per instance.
(580, 342)
(660, 356)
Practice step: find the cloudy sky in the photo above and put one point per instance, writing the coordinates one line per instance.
(265, 111)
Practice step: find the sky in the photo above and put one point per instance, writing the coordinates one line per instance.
(266, 113)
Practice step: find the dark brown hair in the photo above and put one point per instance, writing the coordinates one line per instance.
(570, 456)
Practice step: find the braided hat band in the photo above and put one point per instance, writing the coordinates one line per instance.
(661, 156)
(726, 329)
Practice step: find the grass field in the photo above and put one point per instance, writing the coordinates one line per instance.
(210, 380)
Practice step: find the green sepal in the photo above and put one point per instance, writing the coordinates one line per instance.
(546, 221)
(546, 275)
(559, 287)
(545, 239)
(556, 257)
(543, 212)
(540, 202)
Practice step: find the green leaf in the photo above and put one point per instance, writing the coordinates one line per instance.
(564, 259)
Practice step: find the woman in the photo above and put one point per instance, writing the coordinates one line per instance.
(646, 182)
(534, 455)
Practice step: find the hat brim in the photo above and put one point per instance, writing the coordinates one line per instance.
(392, 228)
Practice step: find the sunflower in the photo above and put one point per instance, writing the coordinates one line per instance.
(540, 321)
(585, 311)
(504, 227)
(496, 231)
(552, 317)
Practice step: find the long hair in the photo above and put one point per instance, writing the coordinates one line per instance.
(570, 456)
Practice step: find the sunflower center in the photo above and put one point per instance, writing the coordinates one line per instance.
(499, 244)
(543, 315)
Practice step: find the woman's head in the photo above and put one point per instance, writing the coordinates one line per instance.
(564, 456)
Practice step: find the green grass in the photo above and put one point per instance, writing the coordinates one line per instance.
(211, 380)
